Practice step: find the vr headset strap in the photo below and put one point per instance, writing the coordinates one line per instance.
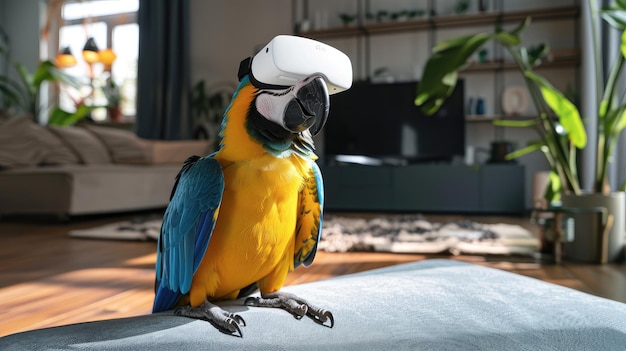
(245, 68)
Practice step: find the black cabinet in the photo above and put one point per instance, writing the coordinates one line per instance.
(491, 188)
(358, 187)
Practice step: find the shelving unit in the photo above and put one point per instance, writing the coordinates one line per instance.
(489, 80)
(439, 22)
(364, 31)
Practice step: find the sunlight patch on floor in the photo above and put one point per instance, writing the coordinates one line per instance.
(77, 296)
(143, 260)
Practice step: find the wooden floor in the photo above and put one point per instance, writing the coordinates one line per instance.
(49, 279)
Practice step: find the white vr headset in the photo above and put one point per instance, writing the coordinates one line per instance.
(286, 59)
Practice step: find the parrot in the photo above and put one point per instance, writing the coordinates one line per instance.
(244, 216)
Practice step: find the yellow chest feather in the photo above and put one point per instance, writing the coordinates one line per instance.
(255, 228)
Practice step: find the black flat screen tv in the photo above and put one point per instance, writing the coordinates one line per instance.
(381, 121)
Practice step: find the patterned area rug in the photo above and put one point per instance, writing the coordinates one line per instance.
(400, 234)
(141, 228)
(415, 234)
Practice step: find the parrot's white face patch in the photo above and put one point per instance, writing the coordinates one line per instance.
(272, 105)
(296, 108)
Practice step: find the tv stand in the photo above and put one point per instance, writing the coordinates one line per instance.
(429, 187)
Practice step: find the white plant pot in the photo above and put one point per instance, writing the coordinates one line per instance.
(588, 244)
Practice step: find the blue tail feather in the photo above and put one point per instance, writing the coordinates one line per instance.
(164, 300)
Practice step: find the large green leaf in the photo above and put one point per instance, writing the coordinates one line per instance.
(516, 123)
(451, 44)
(623, 44)
(521, 27)
(60, 117)
(14, 93)
(26, 77)
(471, 46)
(616, 17)
(47, 71)
(507, 39)
(537, 53)
(435, 85)
(440, 73)
(620, 123)
(622, 120)
(568, 114)
(57, 117)
(554, 187)
(57, 75)
(42, 74)
(81, 112)
(524, 151)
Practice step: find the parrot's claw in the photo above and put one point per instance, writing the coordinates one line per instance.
(223, 320)
(321, 316)
(294, 305)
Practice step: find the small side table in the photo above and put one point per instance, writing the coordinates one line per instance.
(560, 228)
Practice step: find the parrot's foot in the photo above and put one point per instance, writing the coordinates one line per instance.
(294, 305)
(223, 320)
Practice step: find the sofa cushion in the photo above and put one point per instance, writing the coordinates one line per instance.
(19, 146)
(89, 148)
(56, 151)
(123, 145)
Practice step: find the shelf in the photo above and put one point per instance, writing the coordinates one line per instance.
(347, 31)
(491, 118)
(397, 26)
(472, 19)
(555, 63)
(450, 21)
(545, 14)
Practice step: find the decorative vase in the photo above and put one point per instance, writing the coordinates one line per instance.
(115, 114)
(598, 234)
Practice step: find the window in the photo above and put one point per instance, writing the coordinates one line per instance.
(113, 25)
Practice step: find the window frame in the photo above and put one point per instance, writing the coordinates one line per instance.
(50, 46)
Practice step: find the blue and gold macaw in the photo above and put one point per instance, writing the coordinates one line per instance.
(245, 216)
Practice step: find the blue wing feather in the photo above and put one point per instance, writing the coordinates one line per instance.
(187, 228)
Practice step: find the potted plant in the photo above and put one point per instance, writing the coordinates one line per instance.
(22, 96)
(347, 19)
(558, 124)
(209, 105)
(114, 99)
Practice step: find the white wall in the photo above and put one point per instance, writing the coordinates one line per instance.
(225, 32)
(20, 19)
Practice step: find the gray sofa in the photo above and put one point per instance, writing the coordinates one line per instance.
(427, 305)
(86, 169)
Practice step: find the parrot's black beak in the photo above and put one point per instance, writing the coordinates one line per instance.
(309, 108)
